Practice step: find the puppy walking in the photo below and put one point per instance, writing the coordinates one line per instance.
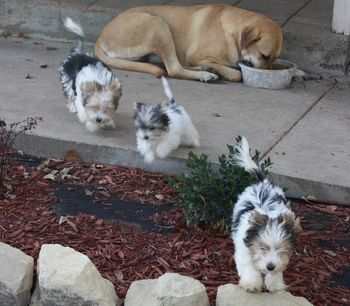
(264, 229)
(163, 127)
(90, 88)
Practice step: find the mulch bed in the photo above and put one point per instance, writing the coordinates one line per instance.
(123, 253)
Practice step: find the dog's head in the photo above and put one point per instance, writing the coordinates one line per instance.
(100, 102)
(272, 241)
(151, 121)
(261, 45)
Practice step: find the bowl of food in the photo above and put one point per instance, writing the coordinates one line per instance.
(277, 77)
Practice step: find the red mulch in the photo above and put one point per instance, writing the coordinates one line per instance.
(124, 253)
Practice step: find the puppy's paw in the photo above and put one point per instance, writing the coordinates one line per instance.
(251, 282)
(274, 282)
(109, 125)
(91, 127)
(208, 76)
(149, 157)
(196, 143)
(253, 287)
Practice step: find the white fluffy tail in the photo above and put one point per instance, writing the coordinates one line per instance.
(73, 27)
(243, 159)
(167, 90)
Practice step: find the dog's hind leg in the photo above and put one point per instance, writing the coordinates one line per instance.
(120, 47)
(125, 64)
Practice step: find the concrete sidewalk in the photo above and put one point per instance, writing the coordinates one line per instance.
(304, 129)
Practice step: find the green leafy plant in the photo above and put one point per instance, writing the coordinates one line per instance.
(207, 194)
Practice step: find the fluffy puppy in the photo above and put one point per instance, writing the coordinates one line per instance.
(264, 229)
(90, 88)
(162, 127)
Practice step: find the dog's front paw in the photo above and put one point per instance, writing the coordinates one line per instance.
(251, 283)
(109, 125)
(255, 287)
(91, 127)
(149, 157)
(274, 282)
(208, 76)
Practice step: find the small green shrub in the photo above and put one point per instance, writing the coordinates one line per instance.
(208, 195)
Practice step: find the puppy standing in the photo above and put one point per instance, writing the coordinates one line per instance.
(162, 127)
(264, 229)
(91, 89)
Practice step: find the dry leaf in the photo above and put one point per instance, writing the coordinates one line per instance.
(62, 220)
(49, 176)
(118, 274)
(159, 196)
(88, 192)
(71, 155)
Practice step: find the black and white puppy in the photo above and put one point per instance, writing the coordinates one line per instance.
(264, 229)
(90, 88)
(163, 127)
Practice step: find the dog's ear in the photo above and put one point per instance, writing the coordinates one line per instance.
(138, 106)
(249, 36)
(87, 90)
(257, 223)
(165, 104)
(258, 219)
(115, 87)
(292, 224)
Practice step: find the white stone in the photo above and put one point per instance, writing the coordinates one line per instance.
(171, 289)
(233, 295)
(16, 276)
(67, 277)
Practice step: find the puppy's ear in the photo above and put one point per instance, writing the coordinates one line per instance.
(138, 106)
(292, 224)
(115, 87)
(249, 36)
(87, 90)
(165, 104)
(257, 223)
(258, 219)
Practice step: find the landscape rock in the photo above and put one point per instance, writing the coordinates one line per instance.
(233, 295)
(16, 276)
(171, 289)
(67, 277)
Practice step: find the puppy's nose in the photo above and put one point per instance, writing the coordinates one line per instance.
(98, 119)
(270, 266)
(146, 137)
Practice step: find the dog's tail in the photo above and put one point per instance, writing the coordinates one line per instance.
(243, 159)
(75, 28)
(167, 91)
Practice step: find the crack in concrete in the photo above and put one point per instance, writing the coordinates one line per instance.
(296, 12)
(298, 120)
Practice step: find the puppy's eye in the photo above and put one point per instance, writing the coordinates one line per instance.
(152, 128)
(265, 57)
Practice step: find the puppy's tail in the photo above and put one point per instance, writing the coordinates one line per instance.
(243, 159)
(75, 28)
(167, 90)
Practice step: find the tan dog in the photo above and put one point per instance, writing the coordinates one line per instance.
(189, 40)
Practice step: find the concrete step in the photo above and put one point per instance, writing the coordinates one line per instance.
(308, 40)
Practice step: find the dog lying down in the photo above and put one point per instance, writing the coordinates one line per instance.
(201, 42)
(163, 127)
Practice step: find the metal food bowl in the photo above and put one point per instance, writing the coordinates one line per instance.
(269, 78)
